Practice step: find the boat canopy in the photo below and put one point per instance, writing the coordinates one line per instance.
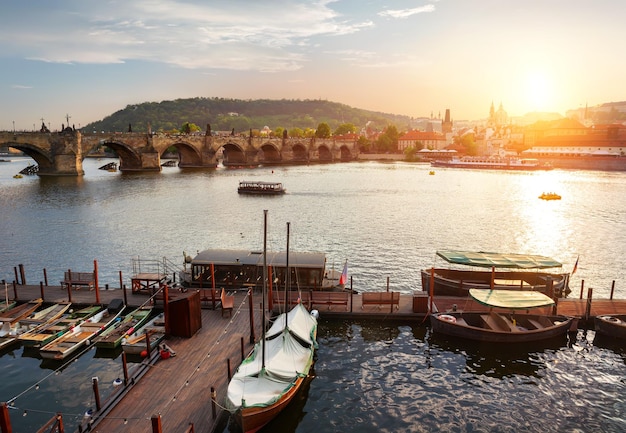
(513, 299)
(498, 260)
(255, 258)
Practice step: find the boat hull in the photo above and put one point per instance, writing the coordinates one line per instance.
(252, 419)
(500, 327)
(454, 282)
(611, 326)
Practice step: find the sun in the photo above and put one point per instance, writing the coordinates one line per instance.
(539, 91)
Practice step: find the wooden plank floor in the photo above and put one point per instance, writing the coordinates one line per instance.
(179, 388)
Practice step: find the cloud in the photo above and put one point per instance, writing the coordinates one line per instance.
(405, 13)
(21, 86)
(274, 35)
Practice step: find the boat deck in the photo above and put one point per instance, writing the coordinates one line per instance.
(179, 388)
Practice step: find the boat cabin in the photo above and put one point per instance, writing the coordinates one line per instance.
(258, 187)
(243, 269)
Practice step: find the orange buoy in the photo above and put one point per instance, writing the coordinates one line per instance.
(144, 353)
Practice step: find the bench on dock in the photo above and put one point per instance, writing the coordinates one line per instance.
(330, 298)
(381, 298)
(78, 279)
(228, 302)
(293, 297)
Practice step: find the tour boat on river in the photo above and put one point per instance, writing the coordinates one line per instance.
(493, 163)
(262, 188)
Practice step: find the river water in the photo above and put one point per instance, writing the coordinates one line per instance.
(387, 220)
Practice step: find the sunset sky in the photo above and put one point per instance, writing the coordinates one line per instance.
(88, 58)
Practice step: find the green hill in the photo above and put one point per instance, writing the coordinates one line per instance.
(242, 115)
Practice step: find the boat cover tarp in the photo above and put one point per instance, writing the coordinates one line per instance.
(498, 260)
(286, 359)
(513, 299)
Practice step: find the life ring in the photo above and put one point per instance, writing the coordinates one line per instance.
(610, 319)
(448, 318)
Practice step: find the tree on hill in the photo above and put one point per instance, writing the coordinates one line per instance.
(388, 140)
(345, 128)
(323, 130)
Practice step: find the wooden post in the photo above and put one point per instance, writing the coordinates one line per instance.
(387, 284)
(125, 368)
(431, 288)
(213, 404)
(5, 420)
(95, 276)
(270, 301)
(121, 283)
(582, 286)
(45, 277)
(124, 293)
(251, 305)
(166, 308)
(147, 342)
(96, 393)
(242, 351)
(351, 294)
(22, 274)
(60, 427)
(588, 308)
(156, 424)
(612, 290)
(69, 285)
(41, 290)
(228, 368)
(213, 288)
(14, 290)
(17, 278)
(493, 277)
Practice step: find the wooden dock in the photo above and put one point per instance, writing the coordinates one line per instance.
(175, 393)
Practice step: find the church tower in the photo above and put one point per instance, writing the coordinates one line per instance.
(446, 125)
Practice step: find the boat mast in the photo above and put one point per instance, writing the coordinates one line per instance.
(264, 288)
(288, 277)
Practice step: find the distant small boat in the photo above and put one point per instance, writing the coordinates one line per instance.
(17, 176)
(261, 188)
(431, 172)
(550, 196)
(135, 343)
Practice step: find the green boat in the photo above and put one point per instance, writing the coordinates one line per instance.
(54, 329)
(112, 337)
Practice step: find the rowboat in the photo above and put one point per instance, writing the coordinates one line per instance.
(503, 327)
(20, 312)
(29, 327)
(81, 335)
(57, 327)
(135, 343)
(112, 336)
(506, 272)
(613, 326)
(4, 305)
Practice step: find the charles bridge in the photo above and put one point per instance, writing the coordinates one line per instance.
(62, 153)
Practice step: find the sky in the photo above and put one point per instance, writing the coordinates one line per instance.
(87, 59)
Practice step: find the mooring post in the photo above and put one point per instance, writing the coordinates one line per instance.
(22, 274)
(387, 284)
(148, 343)
(5, 420)
(213, 403)
(431, 288)
(14, 290)
(17, 278)
(242, 351)
(125, 368)
(124, 293)
(612, 290)
(45, 277)
(96, 393)
(156, 424)
(351, 295)
(41, 290)
(121, 281)
(95, 276)
(582, 286)
(588, 308)
(228, 368)
(251, 305)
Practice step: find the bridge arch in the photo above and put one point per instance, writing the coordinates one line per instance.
(300, 153)
(129, 158)
(269, 154)
(345, 154)
(45, 164)
(325, 155)
(188, 154)
(233, 154)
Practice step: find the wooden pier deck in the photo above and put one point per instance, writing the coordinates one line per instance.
(178, 389)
